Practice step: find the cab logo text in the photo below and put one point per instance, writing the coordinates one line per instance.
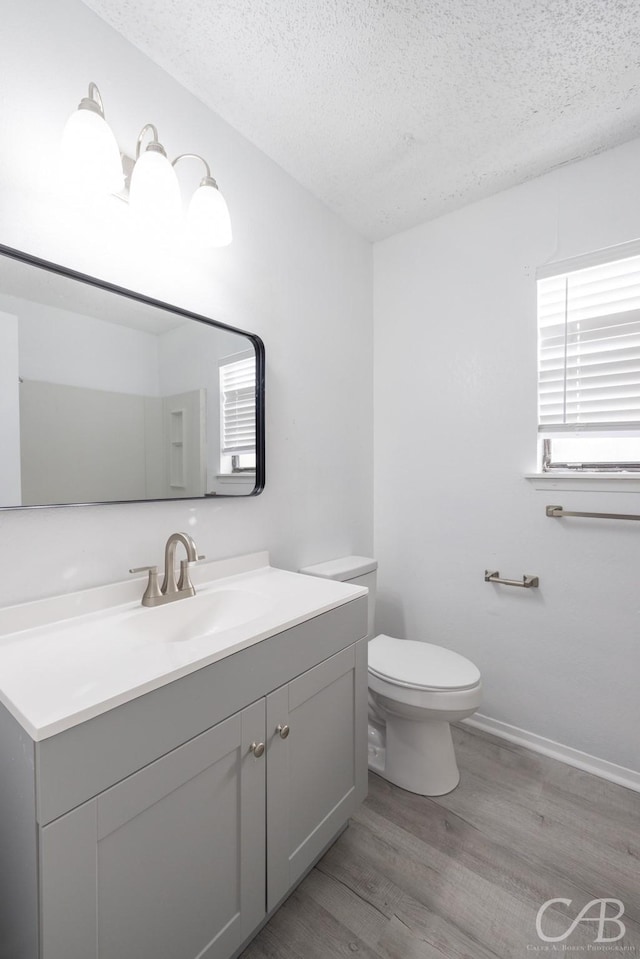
(602, 915)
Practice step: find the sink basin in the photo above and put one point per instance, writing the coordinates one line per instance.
(213, 611)
(66, 659)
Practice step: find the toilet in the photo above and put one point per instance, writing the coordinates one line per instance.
(416, 690)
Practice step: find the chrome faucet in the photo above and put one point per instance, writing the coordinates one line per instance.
(156, 595)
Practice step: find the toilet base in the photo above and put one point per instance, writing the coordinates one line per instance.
(377, 747)
(418, 757)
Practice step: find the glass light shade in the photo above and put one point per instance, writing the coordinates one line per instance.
(89, 154)
(154, 194)
(208, 219)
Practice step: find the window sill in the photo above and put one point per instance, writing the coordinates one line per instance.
(586, 482)
(245, 481)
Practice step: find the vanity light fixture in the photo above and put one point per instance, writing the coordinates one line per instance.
(208, 220)
(89, 153)
(92, 158)
(154, 192)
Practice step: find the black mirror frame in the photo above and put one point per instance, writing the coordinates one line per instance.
(258, 345)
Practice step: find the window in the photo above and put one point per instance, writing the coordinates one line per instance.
(589, 362)
(238, 413)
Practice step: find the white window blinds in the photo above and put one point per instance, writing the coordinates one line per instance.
(589, 348)
(238, 400)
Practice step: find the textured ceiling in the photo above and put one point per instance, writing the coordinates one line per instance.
(395, 111)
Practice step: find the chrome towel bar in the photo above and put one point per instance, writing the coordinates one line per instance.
(527, 582)
(556, 511)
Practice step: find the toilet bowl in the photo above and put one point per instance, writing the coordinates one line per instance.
(416, 690)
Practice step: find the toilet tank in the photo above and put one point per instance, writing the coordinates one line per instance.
(358, 570)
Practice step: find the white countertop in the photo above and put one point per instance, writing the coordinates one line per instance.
(67, 659)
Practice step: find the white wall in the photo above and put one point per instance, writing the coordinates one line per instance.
(455, 346)
(74, 350)
(295, 275)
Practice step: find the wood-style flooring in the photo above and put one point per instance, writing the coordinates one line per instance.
(463, 876)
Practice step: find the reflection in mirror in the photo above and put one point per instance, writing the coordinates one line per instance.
(106, 396)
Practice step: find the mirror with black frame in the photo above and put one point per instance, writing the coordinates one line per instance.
(109, 396)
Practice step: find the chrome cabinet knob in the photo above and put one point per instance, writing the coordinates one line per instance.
(257, 749)
(282, 730)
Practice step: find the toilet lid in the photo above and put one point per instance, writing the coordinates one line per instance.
(407, 662)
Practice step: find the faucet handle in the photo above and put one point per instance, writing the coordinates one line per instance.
(152, 592)
(184, 583)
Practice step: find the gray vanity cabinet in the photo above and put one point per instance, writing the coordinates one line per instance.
(155, 831)
(317, 773)
(171, 862)
(167, 864)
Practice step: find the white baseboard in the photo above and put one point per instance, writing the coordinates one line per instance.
(565, 754)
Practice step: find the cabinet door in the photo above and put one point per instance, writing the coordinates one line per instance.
(167, 864)
(317, 775)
